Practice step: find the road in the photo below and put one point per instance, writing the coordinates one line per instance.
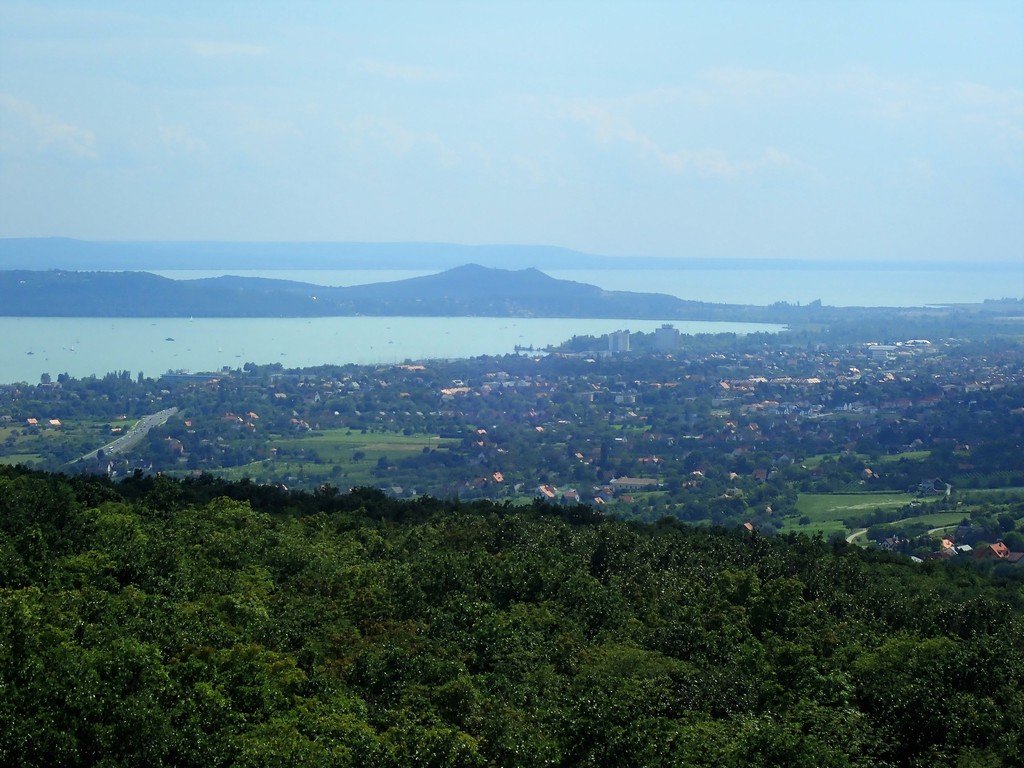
(133, 436)
(856, 535)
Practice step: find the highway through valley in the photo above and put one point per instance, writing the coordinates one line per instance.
(135, 434)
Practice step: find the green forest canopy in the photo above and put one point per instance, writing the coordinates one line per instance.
(204, 623)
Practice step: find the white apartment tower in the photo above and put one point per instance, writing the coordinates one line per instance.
(666, 338)
(618, 341)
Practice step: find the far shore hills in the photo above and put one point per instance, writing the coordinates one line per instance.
(469, 290)
(147, 256)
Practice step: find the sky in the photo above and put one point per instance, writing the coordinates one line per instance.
(812, 130)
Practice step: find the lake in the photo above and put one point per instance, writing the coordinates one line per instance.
(85, 346)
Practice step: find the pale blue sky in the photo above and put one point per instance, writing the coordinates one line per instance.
(783, 129)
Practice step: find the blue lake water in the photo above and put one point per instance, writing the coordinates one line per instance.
(85, 346)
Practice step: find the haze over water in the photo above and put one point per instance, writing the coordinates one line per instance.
(883, 131)
(94, 346)
(86, 346)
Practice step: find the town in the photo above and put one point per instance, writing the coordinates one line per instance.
(912, 445)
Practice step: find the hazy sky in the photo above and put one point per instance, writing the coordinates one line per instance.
(711, 129)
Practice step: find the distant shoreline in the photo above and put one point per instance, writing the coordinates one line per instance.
(469, 290)
(74, 254)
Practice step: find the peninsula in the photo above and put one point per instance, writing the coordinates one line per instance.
(469, 290)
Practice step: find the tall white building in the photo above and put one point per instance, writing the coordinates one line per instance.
(618, 341)
(666, 338)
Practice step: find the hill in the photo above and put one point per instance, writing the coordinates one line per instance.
(214, 624)
(469, 290)
(84, 255)
(147, 255)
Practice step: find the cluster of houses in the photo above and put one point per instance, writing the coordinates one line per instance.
(998, 551)
(34, 425)
(246, 421)
(948, 548)
(619, 487)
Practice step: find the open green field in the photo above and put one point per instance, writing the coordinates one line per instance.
(19, 458)
(825, 527)
(908, 455)
(812, 461)
(827, 510)
(1015, 491)
(937, 519)
(354, 454)
(821, 507)
(336, 446)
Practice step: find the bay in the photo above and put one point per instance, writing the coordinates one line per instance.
(87, 346)
(95, 346)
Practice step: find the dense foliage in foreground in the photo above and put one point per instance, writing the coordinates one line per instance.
(208, 624)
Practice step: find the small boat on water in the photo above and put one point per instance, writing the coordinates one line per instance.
(169, 338)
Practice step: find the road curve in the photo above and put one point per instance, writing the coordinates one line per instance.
(856, 535)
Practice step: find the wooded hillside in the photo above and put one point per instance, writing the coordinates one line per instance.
(205, 623)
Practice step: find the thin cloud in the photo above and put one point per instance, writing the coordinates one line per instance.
(610, 127)
(400, 140)
(888, 96)
(211, 48)
(714, 162)
(49, 131)
(745, 82)
(1000, 112)
(984, 119)
(394, 70)
(1008, 100)
(179, 139)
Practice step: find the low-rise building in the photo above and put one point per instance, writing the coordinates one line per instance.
(634, 484)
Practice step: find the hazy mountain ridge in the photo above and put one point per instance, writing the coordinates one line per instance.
(74, 254)
(67, 253)
(467, 291)
(470, 290)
